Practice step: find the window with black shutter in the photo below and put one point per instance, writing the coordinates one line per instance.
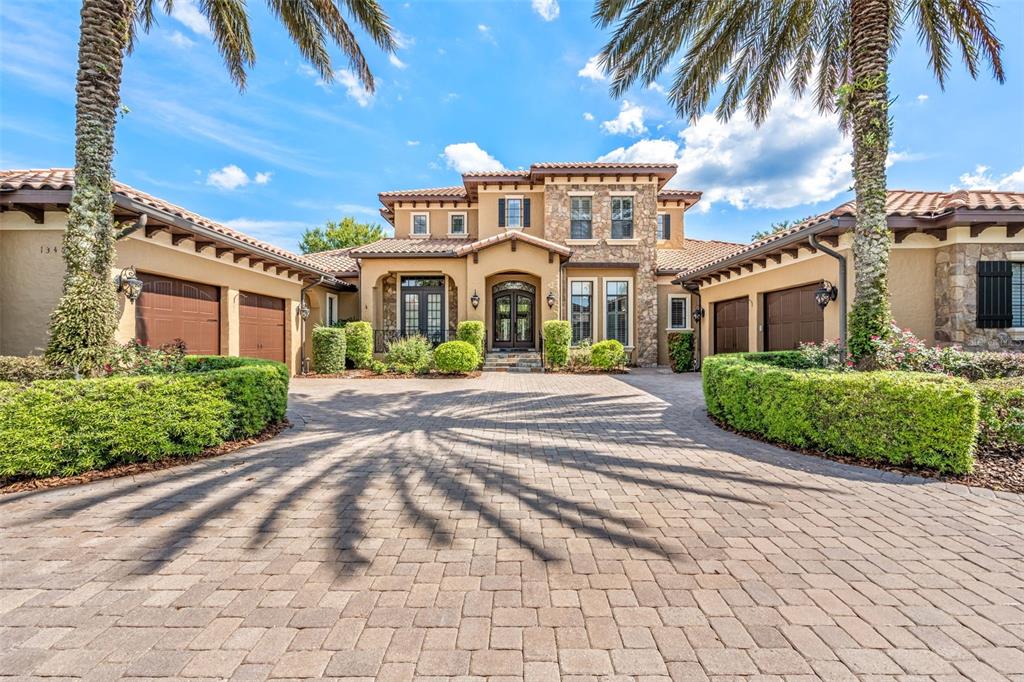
(995, 295)
(664, 226)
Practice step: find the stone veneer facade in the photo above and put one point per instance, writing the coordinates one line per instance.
(642, 253)
(389, 302)
(956, 297)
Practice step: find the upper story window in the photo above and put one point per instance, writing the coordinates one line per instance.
(457, 224)
(580, 221)
(513, 212)
(664, 226)
(622, 217)
(420, 224)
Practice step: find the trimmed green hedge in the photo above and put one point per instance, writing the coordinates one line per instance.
(65, 427)
(680, 351)
(456, 357)
(557, 334)
(607, 354)
(359, 344)
(472, 332)
(328, 350)
(904, 418)
(1001, 425)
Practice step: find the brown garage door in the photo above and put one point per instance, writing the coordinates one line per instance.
(261, 321)
(731, 326)
(791, 317)
(170, 309)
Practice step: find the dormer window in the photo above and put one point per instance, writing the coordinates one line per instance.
(420, 225)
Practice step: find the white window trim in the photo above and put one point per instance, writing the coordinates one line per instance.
(579, 194)
(631, 313)
(327, 309)
(656, 237)
(465, 225)
(412, 225)
(583, 242)
(596, 318)
(621, 194)
(624, 242)
(669, 327)
(506, 197)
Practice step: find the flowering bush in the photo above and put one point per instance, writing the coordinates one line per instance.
(825, 355)
(134, 358)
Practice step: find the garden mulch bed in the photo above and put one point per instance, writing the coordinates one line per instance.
(1002, 471)
(135, 468)
(367, 374)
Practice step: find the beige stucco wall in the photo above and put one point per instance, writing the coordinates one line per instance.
(31, 274)
(437, 220)
(676, 224)
(665, 288)
(488, 205)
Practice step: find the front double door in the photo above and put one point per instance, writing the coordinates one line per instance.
(513, 319)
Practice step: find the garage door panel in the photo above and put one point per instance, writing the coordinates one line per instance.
(731, 326)
(170, 309)
(793, 317)
(262, 323)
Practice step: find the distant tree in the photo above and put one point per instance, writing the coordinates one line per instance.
(341, 235)
(775, 228)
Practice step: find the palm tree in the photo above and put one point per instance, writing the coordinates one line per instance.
(84, 322)
(844, 46)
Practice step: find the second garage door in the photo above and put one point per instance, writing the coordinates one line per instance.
(261, 320)
(792, 317)
(731, 334)
(169, 309)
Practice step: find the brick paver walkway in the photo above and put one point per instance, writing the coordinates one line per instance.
(513, 526)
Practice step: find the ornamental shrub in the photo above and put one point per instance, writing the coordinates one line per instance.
(608, 354)
(472, 332)
(904, 418)
(1001, 425)
(580, 357)
(557, 334)
(359, 344)
(25, 370)
(680, 351)
(413, 354)
(328, 350)
(456, 357)
(65, 427)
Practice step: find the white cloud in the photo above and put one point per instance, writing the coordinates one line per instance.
(630, 121)
(587, 116)
(283, 233)
(485, 33)
(187, 13)
(450, 97)
(797, 157)
(547, 9)
(922, 98)
(180, 40)
(403, 41)
(353, 87)
(657, 87)
(468, 156)
(232, 177)
(396, 62)
(981, 179)
(592, 69)
(412, 143)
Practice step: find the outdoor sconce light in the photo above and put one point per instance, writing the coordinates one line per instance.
(475, 299)
(128, 284)
(551, 300)
(698, 315)
(304, 310)
(826, 294)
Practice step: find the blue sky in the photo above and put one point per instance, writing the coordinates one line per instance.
(476, 85)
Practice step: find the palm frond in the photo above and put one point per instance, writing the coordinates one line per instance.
(229, 24)
(789, 27)
(976, 32)
(342, 35)
(933, 31)
(833, 44)
(374, 21)
(303, 23)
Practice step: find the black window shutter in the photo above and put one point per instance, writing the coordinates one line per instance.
(994, 287)
(526, 212)
(501, 213)
(667, 231)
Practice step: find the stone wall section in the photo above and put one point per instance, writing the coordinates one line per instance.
(645, 223)
(956, 297)
(389, 302)
(453, 304)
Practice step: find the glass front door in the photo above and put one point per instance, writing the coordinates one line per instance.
(423, 307)
(513, 315)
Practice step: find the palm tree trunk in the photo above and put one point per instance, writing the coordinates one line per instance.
(83, 324)
(870, 42)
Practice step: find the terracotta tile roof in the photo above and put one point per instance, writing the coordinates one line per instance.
(688, 195)
(694, 253)
(336, 262)
(455, 191)
(497, 174)
(513, 235)
(64, 179)
(404, 247)
(900, 203)
(599, 165)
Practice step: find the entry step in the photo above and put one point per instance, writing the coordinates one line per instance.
(513, 361)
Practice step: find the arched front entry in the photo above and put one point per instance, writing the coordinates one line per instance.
(513, 316)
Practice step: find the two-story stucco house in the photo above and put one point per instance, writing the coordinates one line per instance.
(593, 243)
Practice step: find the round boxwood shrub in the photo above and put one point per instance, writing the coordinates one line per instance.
(557, 334)
(608, 354)
(328, 350)
(456, 357)
(64, 427)
(472, 332)
(359, 344)
(412, 354)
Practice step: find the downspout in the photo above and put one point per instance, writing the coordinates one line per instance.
(304, 361)
(694, 290)
(813, 239)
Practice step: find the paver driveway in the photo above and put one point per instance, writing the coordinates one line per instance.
(517, 526)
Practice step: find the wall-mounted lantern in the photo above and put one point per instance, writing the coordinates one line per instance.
(475, 299)
(304, 311)
(698, 315)
(551, 300)
(129, 284)
(826, 294)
